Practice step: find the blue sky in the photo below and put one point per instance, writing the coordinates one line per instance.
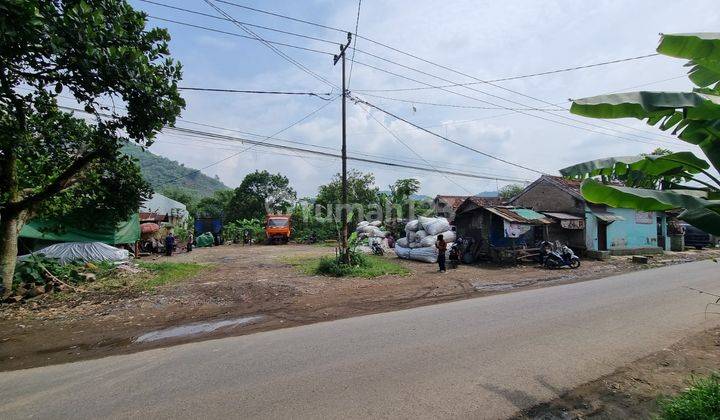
(487, 40)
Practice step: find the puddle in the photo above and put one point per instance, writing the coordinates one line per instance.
(196, 328)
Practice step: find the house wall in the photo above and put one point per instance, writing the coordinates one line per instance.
(624, 234)
(545, 196)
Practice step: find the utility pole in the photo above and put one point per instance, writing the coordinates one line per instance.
(344, 255)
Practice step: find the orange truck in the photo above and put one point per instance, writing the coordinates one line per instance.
(277, 228)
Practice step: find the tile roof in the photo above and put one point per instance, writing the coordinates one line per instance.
(453, 201)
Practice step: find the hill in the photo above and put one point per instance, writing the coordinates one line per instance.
(160, 171)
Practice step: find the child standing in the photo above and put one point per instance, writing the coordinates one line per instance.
(441, 246)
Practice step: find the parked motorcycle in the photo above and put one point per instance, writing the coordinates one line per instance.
(557, 255)
(376, 248)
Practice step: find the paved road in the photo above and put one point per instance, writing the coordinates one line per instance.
(477, 358)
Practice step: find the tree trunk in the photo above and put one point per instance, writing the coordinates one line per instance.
(10, 226)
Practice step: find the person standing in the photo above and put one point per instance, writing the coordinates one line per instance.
(441, 246)
(169, 244)
(191, 239)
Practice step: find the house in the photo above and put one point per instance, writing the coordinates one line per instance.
(588, 227)
(496, 231)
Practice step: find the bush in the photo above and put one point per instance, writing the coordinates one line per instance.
(700, 401)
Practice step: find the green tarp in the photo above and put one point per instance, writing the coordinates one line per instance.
(49, 230)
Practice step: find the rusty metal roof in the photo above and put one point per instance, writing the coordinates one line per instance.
(454, 201)
(516, 215)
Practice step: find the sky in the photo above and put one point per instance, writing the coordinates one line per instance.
(484, 40)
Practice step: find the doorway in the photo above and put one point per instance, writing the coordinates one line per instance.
(602, 235)
(660, 235)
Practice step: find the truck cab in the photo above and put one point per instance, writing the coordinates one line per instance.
(277, 228)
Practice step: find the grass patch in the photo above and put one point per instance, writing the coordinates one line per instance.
(698, 402)
(367, 267)
(153, 276)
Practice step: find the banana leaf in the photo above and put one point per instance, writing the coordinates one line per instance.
(641, 105)
(654, 165)
(692, 46)
(699, 212)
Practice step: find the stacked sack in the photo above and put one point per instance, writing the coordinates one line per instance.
(421, 235)
(370, 229)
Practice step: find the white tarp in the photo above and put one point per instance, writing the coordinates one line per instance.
(162, 205)
(81, 251)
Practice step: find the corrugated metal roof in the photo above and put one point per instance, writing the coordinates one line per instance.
(512, 215)
(528, 214)
(607, 216)
(563, 216)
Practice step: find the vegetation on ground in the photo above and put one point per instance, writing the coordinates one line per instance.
(42, 272)
(54, 162)
(700, 401)
(366, 266)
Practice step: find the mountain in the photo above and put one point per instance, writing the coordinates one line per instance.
(487, 194)
(160, 171)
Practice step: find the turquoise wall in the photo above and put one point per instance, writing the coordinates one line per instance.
(624, 234)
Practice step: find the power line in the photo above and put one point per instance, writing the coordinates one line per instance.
(499, 159)
(192, 25)
(515, 110)
(411, 149)
(201, 134)
(452, 70)
(450, 164)
(562, 70)
(352, 58)
(268, 92)
(273, 48)
(454, 105)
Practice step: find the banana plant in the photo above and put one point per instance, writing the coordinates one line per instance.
(693, 117)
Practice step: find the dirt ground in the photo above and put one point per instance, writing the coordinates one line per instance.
(257, 280)
(632, 391)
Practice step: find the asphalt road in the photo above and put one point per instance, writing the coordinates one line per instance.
(477, 358)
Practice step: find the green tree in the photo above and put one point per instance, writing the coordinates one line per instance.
(510, 190)
(361, 190)
(258, 193)
(399, 198)
(51, 162)
(693, 116)
(214, 206)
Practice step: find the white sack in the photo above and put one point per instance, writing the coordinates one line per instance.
(434, 225)
(412, 226)
(420, 235)
(425, 254)
(376, 223)
(402, 242)
(430, 240)
(363, 223)
(82, 251)
(411, 236)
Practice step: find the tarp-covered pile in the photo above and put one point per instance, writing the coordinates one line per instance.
(204, 240)
(421, 235)
(82, 251)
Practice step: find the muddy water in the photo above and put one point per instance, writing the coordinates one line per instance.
(195, 329)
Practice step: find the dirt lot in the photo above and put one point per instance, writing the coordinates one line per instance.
(632, 391)
(256, 280)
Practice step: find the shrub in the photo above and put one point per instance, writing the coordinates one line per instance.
(698, 402)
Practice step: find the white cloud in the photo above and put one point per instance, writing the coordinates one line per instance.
(485, 39)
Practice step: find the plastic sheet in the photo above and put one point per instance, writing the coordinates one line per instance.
(82, 251)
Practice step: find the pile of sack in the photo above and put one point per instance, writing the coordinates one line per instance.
(373, 229)
(421, 234)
